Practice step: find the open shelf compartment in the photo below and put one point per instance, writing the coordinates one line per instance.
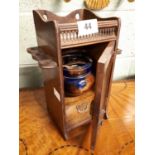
(78, 108)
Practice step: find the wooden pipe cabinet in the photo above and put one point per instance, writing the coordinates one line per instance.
(59, 35)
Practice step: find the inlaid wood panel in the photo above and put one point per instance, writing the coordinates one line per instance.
(77, 109)
(39, 135)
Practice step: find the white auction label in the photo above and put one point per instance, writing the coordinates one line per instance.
(56, 93)
(86, 27)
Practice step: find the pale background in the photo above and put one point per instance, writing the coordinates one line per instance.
(29, 72)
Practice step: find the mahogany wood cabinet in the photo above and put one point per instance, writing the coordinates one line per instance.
(57, 36)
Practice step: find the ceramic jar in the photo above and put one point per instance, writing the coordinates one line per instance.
(78, 77)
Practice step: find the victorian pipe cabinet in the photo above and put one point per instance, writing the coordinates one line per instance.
(57, 36)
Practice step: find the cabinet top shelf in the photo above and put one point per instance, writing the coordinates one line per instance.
(61, 32)
(69, 34)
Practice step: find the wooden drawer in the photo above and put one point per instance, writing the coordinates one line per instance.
(78, 109)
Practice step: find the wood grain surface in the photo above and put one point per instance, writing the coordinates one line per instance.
(39, 135)
(78, 109)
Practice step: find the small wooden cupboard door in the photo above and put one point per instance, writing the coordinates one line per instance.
(101, 85)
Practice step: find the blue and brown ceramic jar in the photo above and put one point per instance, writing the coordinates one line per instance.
(78, 77)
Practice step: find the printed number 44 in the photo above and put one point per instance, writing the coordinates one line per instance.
(87, 26)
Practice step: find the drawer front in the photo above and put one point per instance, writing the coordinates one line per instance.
(78, 112)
